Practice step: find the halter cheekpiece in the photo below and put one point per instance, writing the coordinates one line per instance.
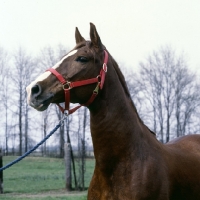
(67, 86)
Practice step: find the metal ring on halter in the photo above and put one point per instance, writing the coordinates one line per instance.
(104, 67)
(99, 78)
(68, 84)
(66, 112)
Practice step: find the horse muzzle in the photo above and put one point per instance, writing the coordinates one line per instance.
(36, 100)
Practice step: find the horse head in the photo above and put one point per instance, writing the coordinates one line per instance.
(84, 62)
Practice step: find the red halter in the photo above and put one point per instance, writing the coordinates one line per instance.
(67, 86)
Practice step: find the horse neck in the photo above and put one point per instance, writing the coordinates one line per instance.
(117, 131)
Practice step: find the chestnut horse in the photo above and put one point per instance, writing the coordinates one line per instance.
(131, 164)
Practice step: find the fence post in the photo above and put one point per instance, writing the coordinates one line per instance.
(68, 166)
(1, 172)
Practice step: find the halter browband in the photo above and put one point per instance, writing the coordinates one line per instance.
(67, 86)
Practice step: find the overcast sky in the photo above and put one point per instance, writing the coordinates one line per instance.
(130, 30)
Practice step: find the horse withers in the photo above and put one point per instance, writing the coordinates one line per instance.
(131, 164)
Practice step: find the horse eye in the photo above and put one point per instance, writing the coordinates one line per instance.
(82, 59)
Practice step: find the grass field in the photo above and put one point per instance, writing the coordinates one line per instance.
(40, 178)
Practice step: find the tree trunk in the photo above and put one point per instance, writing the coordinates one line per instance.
(62, 139)
(44, 153)
(20, 121)
(83, 149)
(1, 172)
(68, 166)
(26, 128)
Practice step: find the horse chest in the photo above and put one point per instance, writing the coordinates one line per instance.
(129, 185)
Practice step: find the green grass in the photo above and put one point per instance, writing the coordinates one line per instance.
(38, 175)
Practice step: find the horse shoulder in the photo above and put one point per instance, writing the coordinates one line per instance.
(183, 160)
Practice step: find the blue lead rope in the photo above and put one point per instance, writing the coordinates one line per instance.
(34, 148)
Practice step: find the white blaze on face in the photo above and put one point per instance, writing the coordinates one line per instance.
(46, 74)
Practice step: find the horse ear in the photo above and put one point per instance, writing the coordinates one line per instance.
(94, 36)
(78, 36)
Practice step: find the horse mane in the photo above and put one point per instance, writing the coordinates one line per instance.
(123, 82)
(119, 74)
(126, 90)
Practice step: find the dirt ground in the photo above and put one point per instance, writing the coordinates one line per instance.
(56, 193)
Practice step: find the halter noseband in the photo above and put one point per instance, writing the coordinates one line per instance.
(67, 86)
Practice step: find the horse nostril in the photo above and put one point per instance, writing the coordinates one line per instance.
(36, 90)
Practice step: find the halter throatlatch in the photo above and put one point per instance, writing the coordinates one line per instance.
(67, 86)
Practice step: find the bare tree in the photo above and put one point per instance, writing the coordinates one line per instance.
(48, 59)
(61, 133)
(1, 172)
(186, 98)
(4, 90)
(168, 91)
(21, 74)
(3, 65)
(83, 122)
